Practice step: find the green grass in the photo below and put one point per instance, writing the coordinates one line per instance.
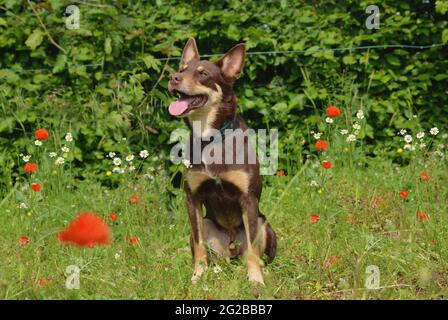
(411, 255)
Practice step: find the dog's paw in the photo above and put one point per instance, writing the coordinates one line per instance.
(255, 275)
(198, 271)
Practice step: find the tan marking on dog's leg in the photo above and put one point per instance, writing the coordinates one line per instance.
(239, 178)
(200, 254)
(195, 179)
(253, 254)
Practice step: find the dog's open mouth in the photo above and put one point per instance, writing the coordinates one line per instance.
(186, 103)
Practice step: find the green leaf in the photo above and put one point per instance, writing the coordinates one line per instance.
(151, 63)
(108, 46)
(35, 39)
(60, 63)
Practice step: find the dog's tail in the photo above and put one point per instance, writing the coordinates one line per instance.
(271, 241)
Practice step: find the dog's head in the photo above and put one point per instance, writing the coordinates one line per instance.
(200, 83)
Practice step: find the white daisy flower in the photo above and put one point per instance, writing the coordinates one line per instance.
(434, 131)
(65, 149)
(422, 145)
(117, 161)
(117, 256)
(116, 170)
(403, 132)
(144, 154)
(38, 143)
(131, 168)
(408, 138)
(344, 132)
(23, 205)
(420, 135)
(52, 154)
(217, 269)
(69, 137)
(329, 120)
(317, 135)
(314, 183)
(356, 126)
(111, 154)
(351, 138)
(360, 115)
(122, 170)
(186, 163)
(407, 147)
(26, 158)
(59, 161)
(129, 157)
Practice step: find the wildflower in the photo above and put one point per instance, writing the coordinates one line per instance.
(26, 158)
(187, 163)
(217, 269)
(42, 282)
(408, 138)
(36, 187)
(434, 131)
(134, 199)
(117, 161)
(144, 154)
(41, 134)
(399, 150)
(31, 167)
(87, 230)
(333, 111)
(314, 218)
(133, 240)
(351, 138)
(23, 240)
(113, 216)
(52, 154)
(321, 145)
(360, 115)
(131, 168)
(407, 147)
(356, 132)
(422, 216)
(281, 173)
(317, 135)
(327, 164)
(129, 158)
(23, 205)
(329, 120)
(29, 213)
(38, 143)
(111, 154)
(422, 145)
(109, 173)
(420, 135)
(116, 170)
(117, 256)
(424, 176)
(69, 137)
(356, 126)
(330, 262)
(404, 193)
(403, 132)
(122, 170)
(59, 161)
(314, 183)
(65, 149)
(344, 132)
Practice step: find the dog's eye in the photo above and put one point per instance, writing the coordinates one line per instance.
(203, 72)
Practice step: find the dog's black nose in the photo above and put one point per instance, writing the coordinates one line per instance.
(176, 78)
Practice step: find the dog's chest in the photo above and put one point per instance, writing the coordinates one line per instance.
(200, 178)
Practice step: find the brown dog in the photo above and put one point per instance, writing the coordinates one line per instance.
(230, 191)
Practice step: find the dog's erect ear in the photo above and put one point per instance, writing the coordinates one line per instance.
(190, 52)
(232, 62)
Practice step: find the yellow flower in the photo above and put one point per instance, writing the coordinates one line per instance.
(320, 191)
(399, 150)
(29, 213)
(108, 173)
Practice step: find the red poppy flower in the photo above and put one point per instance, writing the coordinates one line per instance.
(87, 230)
(404, 193)
(422, 216)
(42, 282)
(327, 164)
(330, 262)
(281, 172)
(41, 134)
(314, 218)
(113, 216)
(36, 187)
(31, 167)
(424, 176)
(333, 111)
(134, 200)
(133, 240)
(321, 145)
(24, 240)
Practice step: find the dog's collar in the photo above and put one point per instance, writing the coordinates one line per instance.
(227, 125)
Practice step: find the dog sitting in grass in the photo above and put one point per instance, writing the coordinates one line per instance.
(229, 190)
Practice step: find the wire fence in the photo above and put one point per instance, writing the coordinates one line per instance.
(254, 53)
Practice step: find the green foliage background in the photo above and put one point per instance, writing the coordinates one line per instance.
(109, 82)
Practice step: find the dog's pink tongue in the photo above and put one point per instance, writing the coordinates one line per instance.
(176, 108)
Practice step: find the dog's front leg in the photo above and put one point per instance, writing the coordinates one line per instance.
(249, 205)
(197, 230)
